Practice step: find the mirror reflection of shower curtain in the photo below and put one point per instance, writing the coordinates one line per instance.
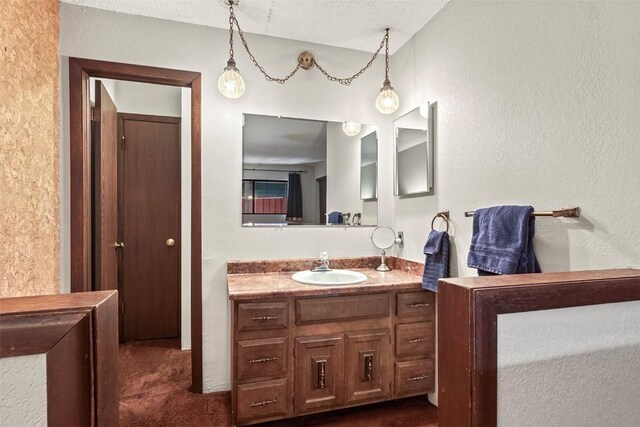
(294, 202)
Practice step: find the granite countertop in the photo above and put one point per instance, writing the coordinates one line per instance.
(281, 285)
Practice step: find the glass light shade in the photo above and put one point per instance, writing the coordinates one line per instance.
(387, 101)
(351, 128)
(231, 83)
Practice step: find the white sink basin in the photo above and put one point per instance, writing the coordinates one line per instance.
(329, 278)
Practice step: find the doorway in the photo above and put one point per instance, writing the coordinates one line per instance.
(85, 227)
(136, 204)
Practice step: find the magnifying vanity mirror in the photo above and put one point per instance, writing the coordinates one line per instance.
(414, 144)
(301, 172)
(383, 238)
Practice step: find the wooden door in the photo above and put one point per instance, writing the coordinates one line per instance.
(104, 127)
(367, 366)
(319, 380)
(322, 199)
(150, 226)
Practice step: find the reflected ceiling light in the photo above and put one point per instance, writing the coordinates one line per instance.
(351, 128)
(231, 84)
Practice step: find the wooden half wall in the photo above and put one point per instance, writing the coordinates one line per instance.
(29, 147)
(468, 310)
(78, 333)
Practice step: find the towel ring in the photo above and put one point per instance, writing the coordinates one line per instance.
(445, 218)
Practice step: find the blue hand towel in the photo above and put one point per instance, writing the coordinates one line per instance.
(335, 217)
(502, 241)
(436, 263)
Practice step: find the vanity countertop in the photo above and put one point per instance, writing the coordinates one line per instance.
(281, 285)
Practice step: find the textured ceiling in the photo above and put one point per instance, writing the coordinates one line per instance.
(353, 24)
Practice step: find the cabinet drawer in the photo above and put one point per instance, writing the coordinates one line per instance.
(262, 315)
(416, 304)
(262, 358)
(263, 400)
(336, 309)
(415, 339)
(414, 377)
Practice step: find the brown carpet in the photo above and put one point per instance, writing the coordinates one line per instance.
(155, 378)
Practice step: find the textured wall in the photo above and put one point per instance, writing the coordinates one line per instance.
(23, 391)
(92, 33)
(580, 365)
(29, 199)
(537, 104)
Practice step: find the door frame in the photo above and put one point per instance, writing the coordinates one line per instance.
(154, 118)
(80, 164)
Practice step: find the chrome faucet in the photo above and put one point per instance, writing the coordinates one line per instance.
(324, 262)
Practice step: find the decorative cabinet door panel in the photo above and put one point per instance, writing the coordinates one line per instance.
(319, 372)
(367, 365)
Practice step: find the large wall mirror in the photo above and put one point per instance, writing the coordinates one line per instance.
(300, 172)
(414, 141)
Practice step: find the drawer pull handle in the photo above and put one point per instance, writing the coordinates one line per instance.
(418, 378)
(263, 403)
(263, 360)
(417, 340)
(419, 304)
(368, 367)
(321, 366)
(264, 318)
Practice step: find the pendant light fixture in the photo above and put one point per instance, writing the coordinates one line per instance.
(231, 84)
(351, 128)
(387, 101)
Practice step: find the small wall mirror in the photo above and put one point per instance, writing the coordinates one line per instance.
(414, 141)
(308, 173)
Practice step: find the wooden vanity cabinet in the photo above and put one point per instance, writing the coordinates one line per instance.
(302, 355)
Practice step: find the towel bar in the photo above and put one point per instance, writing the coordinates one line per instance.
(565, 213)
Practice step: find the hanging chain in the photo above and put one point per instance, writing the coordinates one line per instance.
(232, 19)
(344, 81)
(386, 56)
(348, 80)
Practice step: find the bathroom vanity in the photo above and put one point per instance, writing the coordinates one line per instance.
(300, 349)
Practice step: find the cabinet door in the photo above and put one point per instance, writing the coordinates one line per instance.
(319, 380)
(367, 365)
